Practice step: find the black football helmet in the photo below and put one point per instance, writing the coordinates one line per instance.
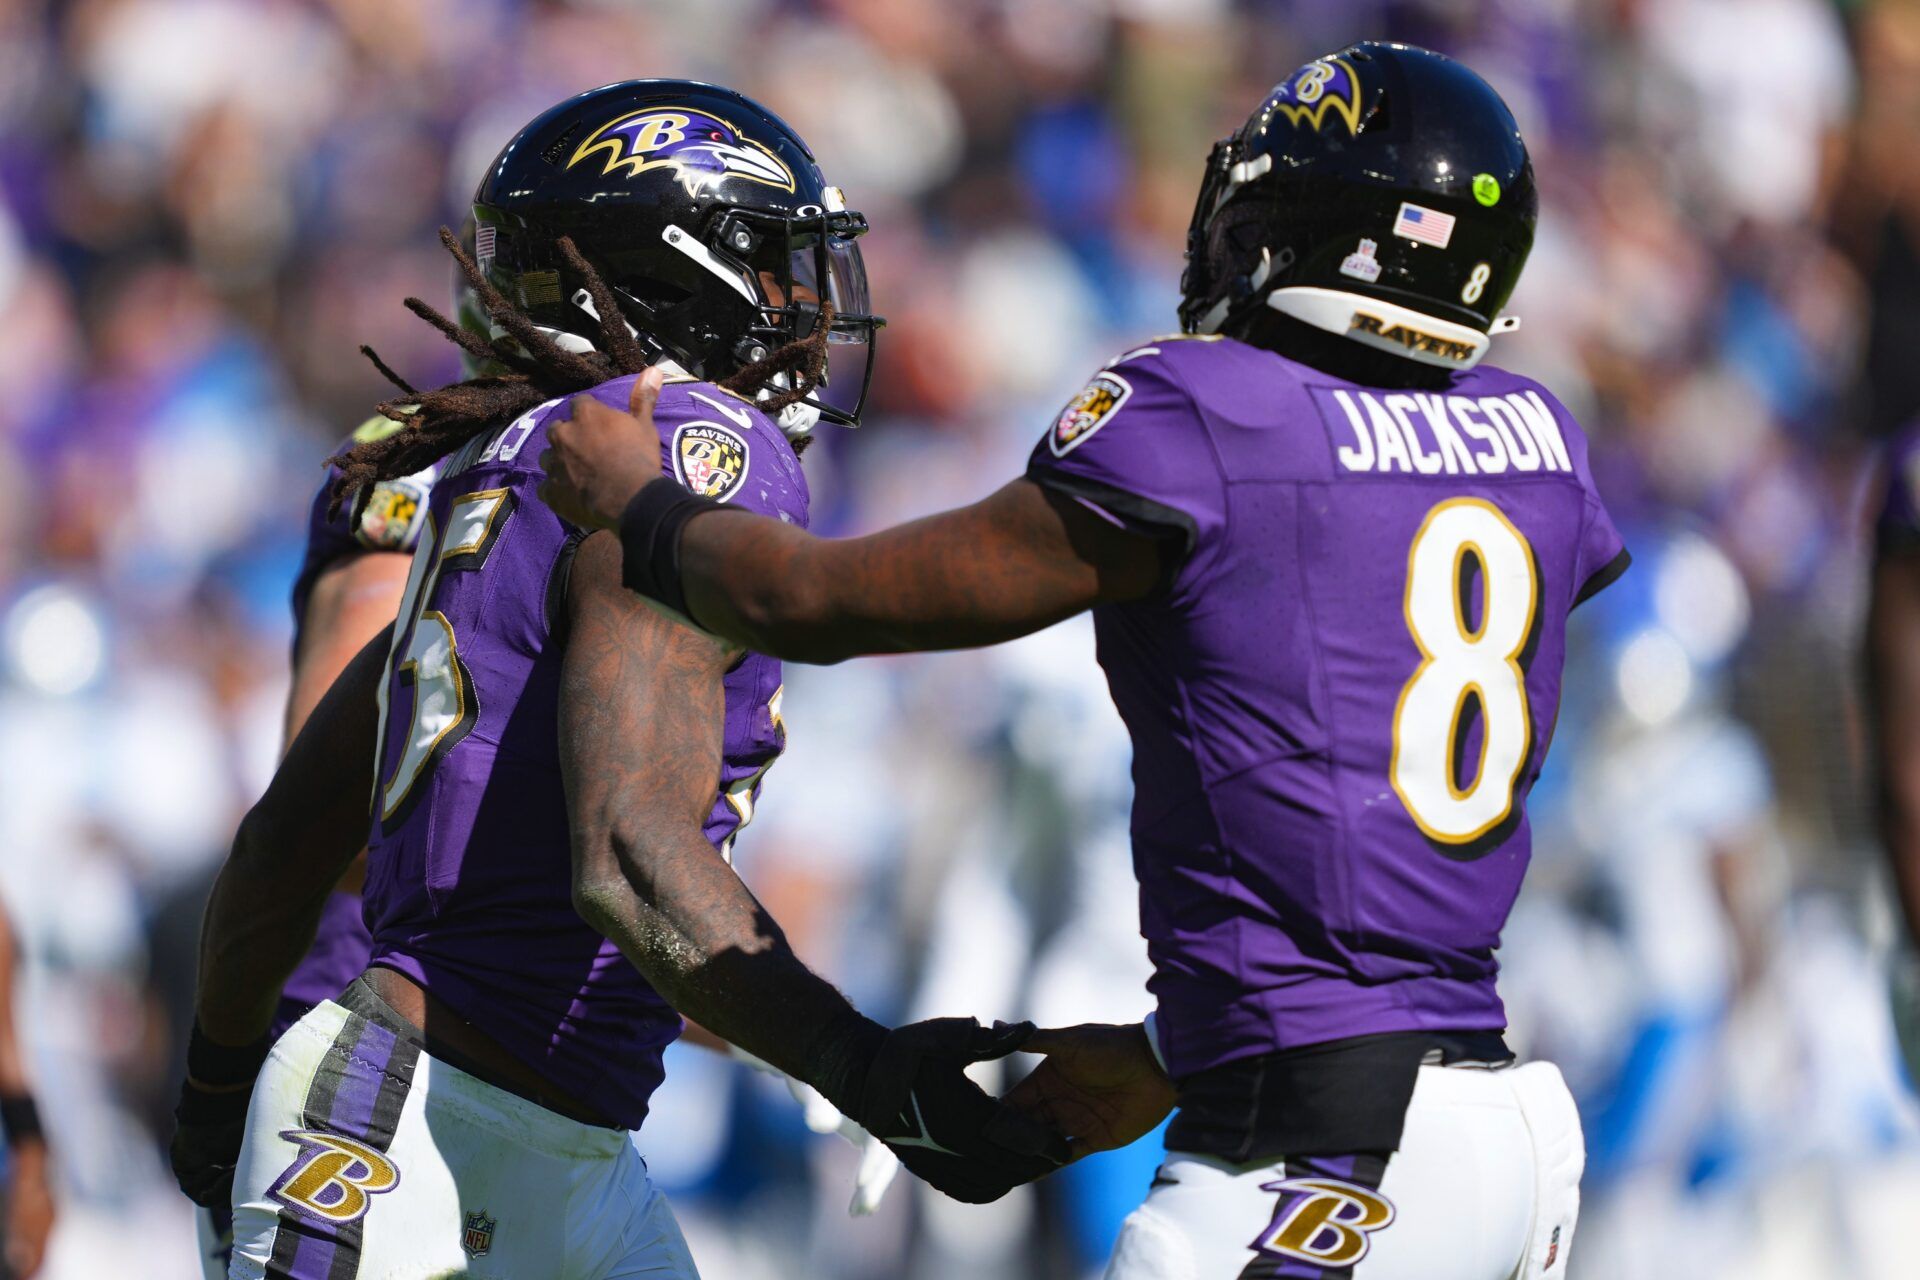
(708, 219)
(1382, 193)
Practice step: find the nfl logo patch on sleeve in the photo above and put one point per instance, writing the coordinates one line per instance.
(476, 1234)
(1087, 412)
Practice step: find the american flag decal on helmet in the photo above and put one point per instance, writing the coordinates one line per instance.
(1428, 226)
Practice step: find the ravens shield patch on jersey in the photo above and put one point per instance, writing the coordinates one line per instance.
(710, 459)
(390, 519)
(1087, 412)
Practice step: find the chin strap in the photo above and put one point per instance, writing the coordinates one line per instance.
(1388, 326)
(799, 418)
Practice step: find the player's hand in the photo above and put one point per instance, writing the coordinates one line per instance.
(944, 1128)
(1099, 1085)
(598, 461)
(209, 1126)
(30, 1211)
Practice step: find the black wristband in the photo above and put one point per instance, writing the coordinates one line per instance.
(21, 1119)
(214, 1064)
(844, 1054)
(650, 530)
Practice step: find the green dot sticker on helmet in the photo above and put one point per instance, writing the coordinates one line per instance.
(1486, 189)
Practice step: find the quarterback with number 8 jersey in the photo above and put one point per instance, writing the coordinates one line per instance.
(1330, 558)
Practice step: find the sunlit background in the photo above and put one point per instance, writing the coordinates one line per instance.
(208, 204)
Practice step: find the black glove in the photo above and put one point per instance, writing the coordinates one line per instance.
(211, 1119)
(915, 1097)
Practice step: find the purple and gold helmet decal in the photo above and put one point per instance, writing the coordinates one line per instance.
(697, 147)
(1325, 87)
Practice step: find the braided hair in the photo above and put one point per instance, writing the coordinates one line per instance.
(538, 369)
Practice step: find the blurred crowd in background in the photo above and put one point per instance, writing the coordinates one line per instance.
(207, 205)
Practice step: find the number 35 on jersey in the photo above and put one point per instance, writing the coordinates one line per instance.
(426, 653)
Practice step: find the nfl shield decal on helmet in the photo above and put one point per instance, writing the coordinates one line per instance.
(476, 1233)
(1087, 412)
(710, 459)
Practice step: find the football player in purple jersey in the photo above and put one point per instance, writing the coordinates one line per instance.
(557, 773)
(347, 591)
(1330, 557)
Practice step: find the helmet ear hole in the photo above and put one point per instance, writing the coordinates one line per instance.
(556, 151)
(1380, 119)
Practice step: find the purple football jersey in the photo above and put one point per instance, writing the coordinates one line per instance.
(1897, 523)
(1341, 698)
(469, 886)
(388, 521)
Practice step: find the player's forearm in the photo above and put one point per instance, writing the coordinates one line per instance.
(1007, 566)
(701, 939)
(257, 928)
(776, 590)
(290, 852)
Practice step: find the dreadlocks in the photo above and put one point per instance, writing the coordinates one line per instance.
(539, 369)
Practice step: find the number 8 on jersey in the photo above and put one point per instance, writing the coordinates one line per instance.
(1464, 666)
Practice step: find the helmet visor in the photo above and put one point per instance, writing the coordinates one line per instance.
(824, 263)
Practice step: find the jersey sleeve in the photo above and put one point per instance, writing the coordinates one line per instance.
(387, 517)
(1601, 555)
(1132, 447)
(1896, 524)
(1603, 552)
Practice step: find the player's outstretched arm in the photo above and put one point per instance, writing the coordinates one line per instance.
(641, 719)
(288, 855)
(351, 601)
(1893, 670)
(1019, 560)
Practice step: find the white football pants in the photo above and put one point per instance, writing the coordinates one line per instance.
(1485, 1186)
(367, 1159)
